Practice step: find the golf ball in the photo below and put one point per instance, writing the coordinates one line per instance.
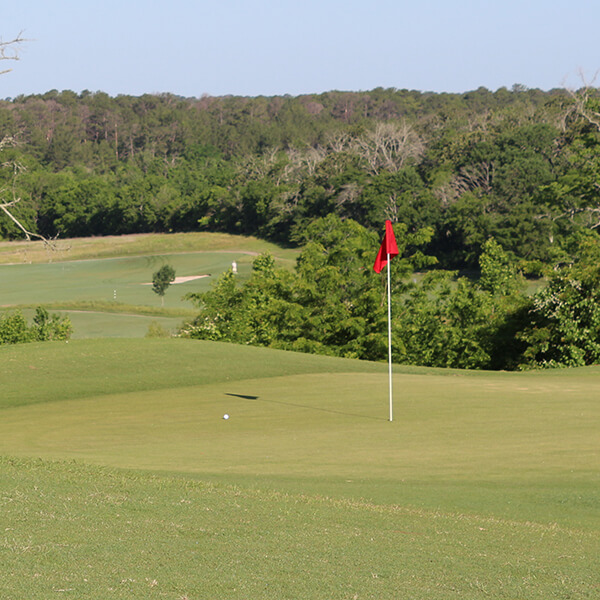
(226, 416)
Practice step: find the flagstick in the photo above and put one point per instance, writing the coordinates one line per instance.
(389, 293)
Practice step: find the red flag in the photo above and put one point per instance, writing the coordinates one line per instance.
(388, 246)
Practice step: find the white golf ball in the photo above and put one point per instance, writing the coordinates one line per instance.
(226, 416)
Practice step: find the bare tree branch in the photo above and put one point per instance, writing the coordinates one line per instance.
(6, 206)
(389, 146)
(49, 242)
(9, 50)
(581, 98)
(472, 177)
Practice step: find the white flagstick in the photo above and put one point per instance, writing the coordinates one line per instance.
(389, 295)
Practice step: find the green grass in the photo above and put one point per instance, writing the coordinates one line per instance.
(113, 307)
(94, 319)
(79, 369)
(95, 533)
(106, 279)
(126, 279)
(111, 323)
(126, 482)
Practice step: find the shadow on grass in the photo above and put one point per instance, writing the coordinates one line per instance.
(327, 410)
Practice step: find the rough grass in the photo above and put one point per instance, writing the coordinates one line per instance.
(83, 532)
(96, 319)
(23, 252)
(133, 323)
(112, 307)
(485, 485)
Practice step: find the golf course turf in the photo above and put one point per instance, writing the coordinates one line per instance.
(103, 284)
(121, 479)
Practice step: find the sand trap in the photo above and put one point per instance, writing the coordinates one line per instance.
(183, 279)
(189, 278)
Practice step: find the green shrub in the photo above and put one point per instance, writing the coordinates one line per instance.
(156, 330)
(14, 328)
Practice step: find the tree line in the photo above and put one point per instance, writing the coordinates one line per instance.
(517, 165)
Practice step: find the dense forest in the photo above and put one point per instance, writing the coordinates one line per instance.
(507, 181)
(518, 166)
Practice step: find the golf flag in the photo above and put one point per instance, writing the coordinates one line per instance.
(388, 248)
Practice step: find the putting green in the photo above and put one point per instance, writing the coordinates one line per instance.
(524, 433)
(322, 425)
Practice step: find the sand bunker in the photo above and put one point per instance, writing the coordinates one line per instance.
(183, 279)
(188, 278)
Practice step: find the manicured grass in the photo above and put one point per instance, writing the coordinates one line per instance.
(79, 369)
(111, 275)
(485, 485)
(124, 279)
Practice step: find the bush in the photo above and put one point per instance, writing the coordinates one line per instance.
(156, 330)
(15, 330)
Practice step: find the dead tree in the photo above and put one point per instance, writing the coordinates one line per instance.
(9, 51)
(584, 106)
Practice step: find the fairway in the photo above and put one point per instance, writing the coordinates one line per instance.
(99, 324)
(126, 280)
(104, 284)
(144, 244)
(485, 485)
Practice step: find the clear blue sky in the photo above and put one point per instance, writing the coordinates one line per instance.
(271, 47)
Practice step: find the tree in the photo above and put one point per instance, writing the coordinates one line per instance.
(331, 304)
(563, 325)
(498, 275)
(161, 280)
(389, 146)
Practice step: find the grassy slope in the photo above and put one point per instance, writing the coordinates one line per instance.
(23, 252)
(486, 485)
(59, 371)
